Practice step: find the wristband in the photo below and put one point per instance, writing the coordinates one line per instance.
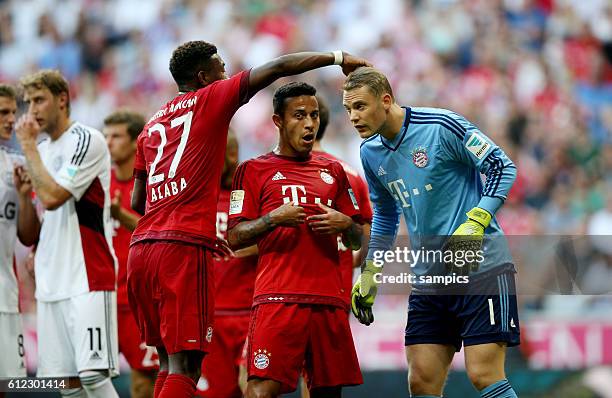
(338, 57)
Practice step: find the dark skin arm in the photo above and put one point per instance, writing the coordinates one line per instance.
(246, 233)
(139, 195)
(332, 222)
(293, 64)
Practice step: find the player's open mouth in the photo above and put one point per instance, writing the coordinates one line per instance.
(360, 127)
(308, 138)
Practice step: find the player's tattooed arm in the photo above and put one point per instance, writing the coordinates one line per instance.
(247, 232)
(293, 64)
(331, 221)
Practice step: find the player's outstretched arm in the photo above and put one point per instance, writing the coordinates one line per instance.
(293, 64)
(246, 233)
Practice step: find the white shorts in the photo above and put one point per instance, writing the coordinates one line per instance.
(77, 334)
(12, 352)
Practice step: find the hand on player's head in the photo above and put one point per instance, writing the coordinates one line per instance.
(288, 215)
(351, 62)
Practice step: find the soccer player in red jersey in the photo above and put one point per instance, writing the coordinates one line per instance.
(293, 205)
(360, 189)
(178, 167)
(121, 130)
(234, 284)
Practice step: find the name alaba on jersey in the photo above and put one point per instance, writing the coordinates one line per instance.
(295, 265)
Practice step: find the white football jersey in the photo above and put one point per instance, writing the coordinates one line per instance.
(9, 293)
(75, 253)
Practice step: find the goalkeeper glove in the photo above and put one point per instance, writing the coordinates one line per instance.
(364, 292)
(467, 238)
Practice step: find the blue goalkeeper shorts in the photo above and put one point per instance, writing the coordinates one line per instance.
(490, 316)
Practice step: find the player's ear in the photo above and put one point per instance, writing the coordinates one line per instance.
(278, 121)
(202, 78)
(387, 101)
(62, 98)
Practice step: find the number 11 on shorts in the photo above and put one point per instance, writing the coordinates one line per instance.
(92, 340)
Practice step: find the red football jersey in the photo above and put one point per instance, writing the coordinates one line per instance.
(234, 278)
(121, 235)
(180, 153)
(360, 188)
(295, 264)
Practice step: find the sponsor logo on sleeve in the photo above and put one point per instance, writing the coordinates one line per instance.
(236, 201)
(477, 145)
(353, 198)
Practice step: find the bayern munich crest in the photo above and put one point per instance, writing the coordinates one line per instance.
(326, 177)
(262, 359)
(419, 157)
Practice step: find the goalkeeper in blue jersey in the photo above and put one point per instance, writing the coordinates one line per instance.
(426, 164)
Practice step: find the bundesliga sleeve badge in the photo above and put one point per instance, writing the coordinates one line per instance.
(419, 157)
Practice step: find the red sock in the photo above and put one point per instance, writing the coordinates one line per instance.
(159, 383)
(178, 386)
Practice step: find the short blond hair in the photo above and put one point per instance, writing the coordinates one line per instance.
(8, 91)
(48, 78)
(368, 77)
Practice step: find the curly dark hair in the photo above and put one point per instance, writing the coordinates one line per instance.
(290, 90)
(190, 58)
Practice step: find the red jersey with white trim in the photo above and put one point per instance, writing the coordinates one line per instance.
(75, 253)
(360, 188)
(121, 235)
(295, 264)
(235, 277)
(181, 152)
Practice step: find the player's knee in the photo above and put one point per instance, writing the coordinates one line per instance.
(483, 375)
(142, 384)
(422, 382)
(261, 389)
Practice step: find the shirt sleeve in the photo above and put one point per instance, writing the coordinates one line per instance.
(140, 166)
(346, 201)
(230, 94)
(244, 198)
(88, 159)
(471, 147)
(386, 216)
(361, 192)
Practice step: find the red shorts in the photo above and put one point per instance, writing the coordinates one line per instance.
(286, 338)
(170, 290)
(220, 367)
(138, 355)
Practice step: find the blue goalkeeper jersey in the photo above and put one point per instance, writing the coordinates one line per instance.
(431, 172)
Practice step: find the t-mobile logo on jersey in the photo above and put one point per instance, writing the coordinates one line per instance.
(400, 192)
(295, 198)
(398, 189)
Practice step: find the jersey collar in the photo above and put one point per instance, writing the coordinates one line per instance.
(397, 141)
